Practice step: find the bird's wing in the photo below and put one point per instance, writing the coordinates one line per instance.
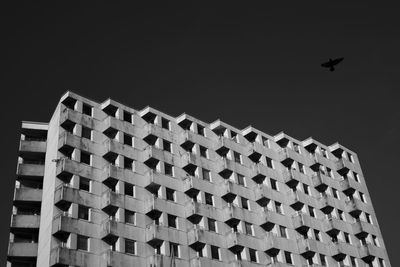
(338, 60)
(326, 65)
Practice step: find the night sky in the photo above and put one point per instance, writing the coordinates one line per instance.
(245, 64)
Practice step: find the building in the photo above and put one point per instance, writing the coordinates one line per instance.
(102, 185)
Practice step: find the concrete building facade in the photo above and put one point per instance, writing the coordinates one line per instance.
(102, 184)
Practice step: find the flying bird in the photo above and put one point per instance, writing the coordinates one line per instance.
(331, 63)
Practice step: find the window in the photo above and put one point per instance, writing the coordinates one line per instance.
(335, 193)
(324, 153)
(240, 180)
(211, 225)
(296, 147)
(237, 157)
(356, 177)
(203, 152)
(350, 157)
(340, 213)
(362, 197)
(317, 235)
(269, 163)
(129, 216)
(305, 189)
(368, 217)
(82, 242)
(84, 184)
(248, 228)
(282, 230)
(375, 240)
(209, 199)
(168, 169)
(86, 133)
(127, 140)
(129, 189)
(170, 194)
(322, 258)
(273, 184)
(245, 203)
(288, 257)
(167, 146)
(174, 249)
(346, 237)
(85, 158)
(329, 171)
(83, 212)
(200, 130)
(171, 221)
(278, 207)
(206, 174)
(86, 109)
(127, 117)
(130, 246)
(128, 163)
(234, 136)
(301, 167)
(311, 211)
(165, 123)
(214, 252)
(253, 255)
(381, 262)
(353, 261)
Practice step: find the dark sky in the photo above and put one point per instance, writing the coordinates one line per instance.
(246, 64)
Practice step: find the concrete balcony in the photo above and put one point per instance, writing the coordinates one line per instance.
(61, 256)
(273, 243)
(19, 221)
(112, 172)
(31, 148)
(111, 201)
(22, 250)
(64, 195)
(334, 225)
(349, 186)
(263, 194)
(339, 250)
(343, 166)
(236, 241)
(67, 167)
(269, 218)
(362, 229)
(193, 213)
(291, 177)
(113, 148)
(320, 181)
(26, 194)
(326, 203)
(288, 153)
(117, 124)
(30, 171)
(191, 186)
(198, 236)
(120, 259)
(356, 206)
(204, 262)
(302, 221)
(297, 199)
(111, 228)
(155, 234)
(307, 247)
(228, 192)
(370, 251)
(63, 224)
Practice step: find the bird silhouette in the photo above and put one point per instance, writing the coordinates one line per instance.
(331, 63)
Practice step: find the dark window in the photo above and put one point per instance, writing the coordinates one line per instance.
(323, 259)
(170, 194)
(171, 221)
(237, 157)
(167, 146)
(335, 193)
(282, 230)
(129, 189)
(240, 179)
(248, 228)
(86, 133)
(311, 211)
(82, 242)
(85, 157)
(301, 167)
(129, 216)
(128, 163)
(206, 174)
(200, 130)
(347, 238)
(273, 184)
(278, 207)
(253, 255)
(174, 249)
(168, 169)
(209, 199)
(83, 212)
(127, 117)
(211, 225)
(203, 151)
(305, 189)
(316, 234)
(269, 162)
(296, 148)
(128, 139)
(288, 257)
(130, 246)
(165, 123)
(214, 252)
(86, 109)
(245, 204)
(84, 184)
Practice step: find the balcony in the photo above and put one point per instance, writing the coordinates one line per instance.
(236, 241)
(291, 177)
(26, 194)
(61, 256)
(155, 234)
(228, 192)
(193, 213)
(113, 148)
(63, 224)
(343, 166)
(326, 203)
(349, 186)
(198, 237)
(66, 168)
(64, 195)
(302, 222)
(22, 250)
(362, 229)
(369, 251)
(30, 171)
(297, 199)
(111, 201)
(191, 186)
(120, 259)
(307, 247)
(29, 148)
(339, 250)
(20, 221)
(355, 207)
(320, 181)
